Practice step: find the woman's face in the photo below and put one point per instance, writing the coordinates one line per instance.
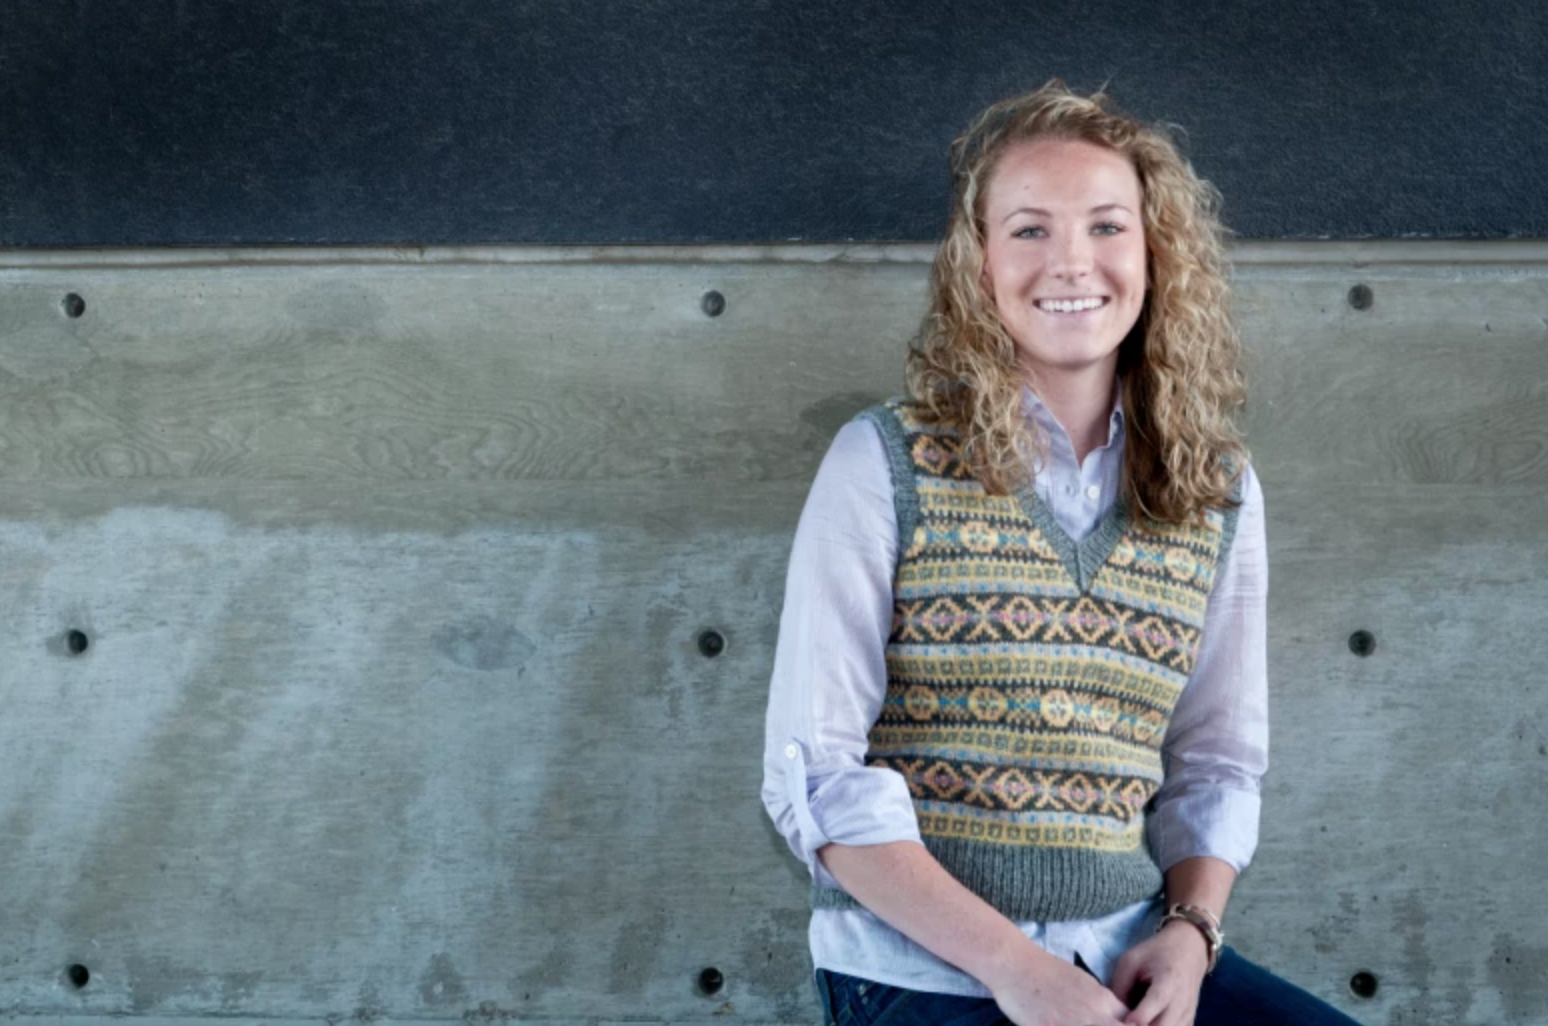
(1065, 256)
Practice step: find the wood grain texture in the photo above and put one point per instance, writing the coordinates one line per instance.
(384, 374)
(1441, 381)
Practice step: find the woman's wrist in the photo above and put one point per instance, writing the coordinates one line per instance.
(1200, 922)
(1197, 891)
(1008, 960)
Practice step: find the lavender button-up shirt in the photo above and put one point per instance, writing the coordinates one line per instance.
(830, 677)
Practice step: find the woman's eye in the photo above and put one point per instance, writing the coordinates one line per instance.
(1031, 231)
(1106, 228)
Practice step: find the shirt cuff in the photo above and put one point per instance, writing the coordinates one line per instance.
(1221, 823)
(859, 805)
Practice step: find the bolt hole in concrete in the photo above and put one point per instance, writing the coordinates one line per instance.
(78, 975)
(77, 642)
(1363, 984)
(1361, 298)
(1362, 643)
(713, 303)
(711, 982)
(73, 305)
(711, 644)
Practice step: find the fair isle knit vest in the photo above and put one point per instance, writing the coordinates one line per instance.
(1031, 680)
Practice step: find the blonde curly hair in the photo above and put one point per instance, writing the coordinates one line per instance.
(1182, 383)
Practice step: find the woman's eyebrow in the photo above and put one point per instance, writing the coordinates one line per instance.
(1101, 208)
(1034, 211)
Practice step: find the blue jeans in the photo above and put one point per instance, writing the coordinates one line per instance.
(1237, 993)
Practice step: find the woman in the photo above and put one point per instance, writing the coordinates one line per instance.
(1017, 720)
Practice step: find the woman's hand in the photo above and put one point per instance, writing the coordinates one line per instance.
(1046, 991)
(1171, 967)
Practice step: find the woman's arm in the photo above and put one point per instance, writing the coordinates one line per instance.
(829, 671)
(1202, 881)
(902, 884)
(1217, 742)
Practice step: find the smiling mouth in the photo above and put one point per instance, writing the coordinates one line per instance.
(1071, 306)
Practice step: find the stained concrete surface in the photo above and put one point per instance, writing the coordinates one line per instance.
(392, 570)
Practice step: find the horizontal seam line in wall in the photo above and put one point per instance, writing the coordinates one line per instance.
(1244, 253)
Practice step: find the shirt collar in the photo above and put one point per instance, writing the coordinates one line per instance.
(1033, 406)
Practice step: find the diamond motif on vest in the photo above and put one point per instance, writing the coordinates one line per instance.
(1134, 796)
(1015, 789)
(933, 455)
(942, 619)
(943, 781)
(1088, 622)
(1078, 793)
(1154, 638)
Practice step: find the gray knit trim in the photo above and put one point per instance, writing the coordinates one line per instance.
(1037, 884)
(905, 495)
(1085, 558)
(1231, 515)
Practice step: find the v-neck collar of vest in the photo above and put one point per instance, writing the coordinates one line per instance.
(1083, 558)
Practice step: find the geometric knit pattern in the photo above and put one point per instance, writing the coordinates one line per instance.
(1031, 680)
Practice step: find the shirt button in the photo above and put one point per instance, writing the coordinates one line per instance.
(791, 751)
(1093, 492)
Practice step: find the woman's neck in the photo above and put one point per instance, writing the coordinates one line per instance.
(1082, 407)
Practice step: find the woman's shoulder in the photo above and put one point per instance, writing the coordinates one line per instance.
(855, 477)
(1248, 488)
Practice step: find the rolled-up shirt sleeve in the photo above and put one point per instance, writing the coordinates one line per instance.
(830, 673)
(1216, 749)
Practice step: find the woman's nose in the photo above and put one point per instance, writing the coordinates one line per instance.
(1072, 255)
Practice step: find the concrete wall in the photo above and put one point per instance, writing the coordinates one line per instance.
(392, 570)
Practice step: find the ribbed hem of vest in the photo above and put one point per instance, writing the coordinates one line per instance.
(1037, 884)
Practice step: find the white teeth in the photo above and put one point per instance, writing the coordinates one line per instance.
(1069, 305)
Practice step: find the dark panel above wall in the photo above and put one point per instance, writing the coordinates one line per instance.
(164, 122)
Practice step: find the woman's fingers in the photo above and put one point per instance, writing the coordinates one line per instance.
(1164, 1005)
(1150, 1011)
(1126, 976)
